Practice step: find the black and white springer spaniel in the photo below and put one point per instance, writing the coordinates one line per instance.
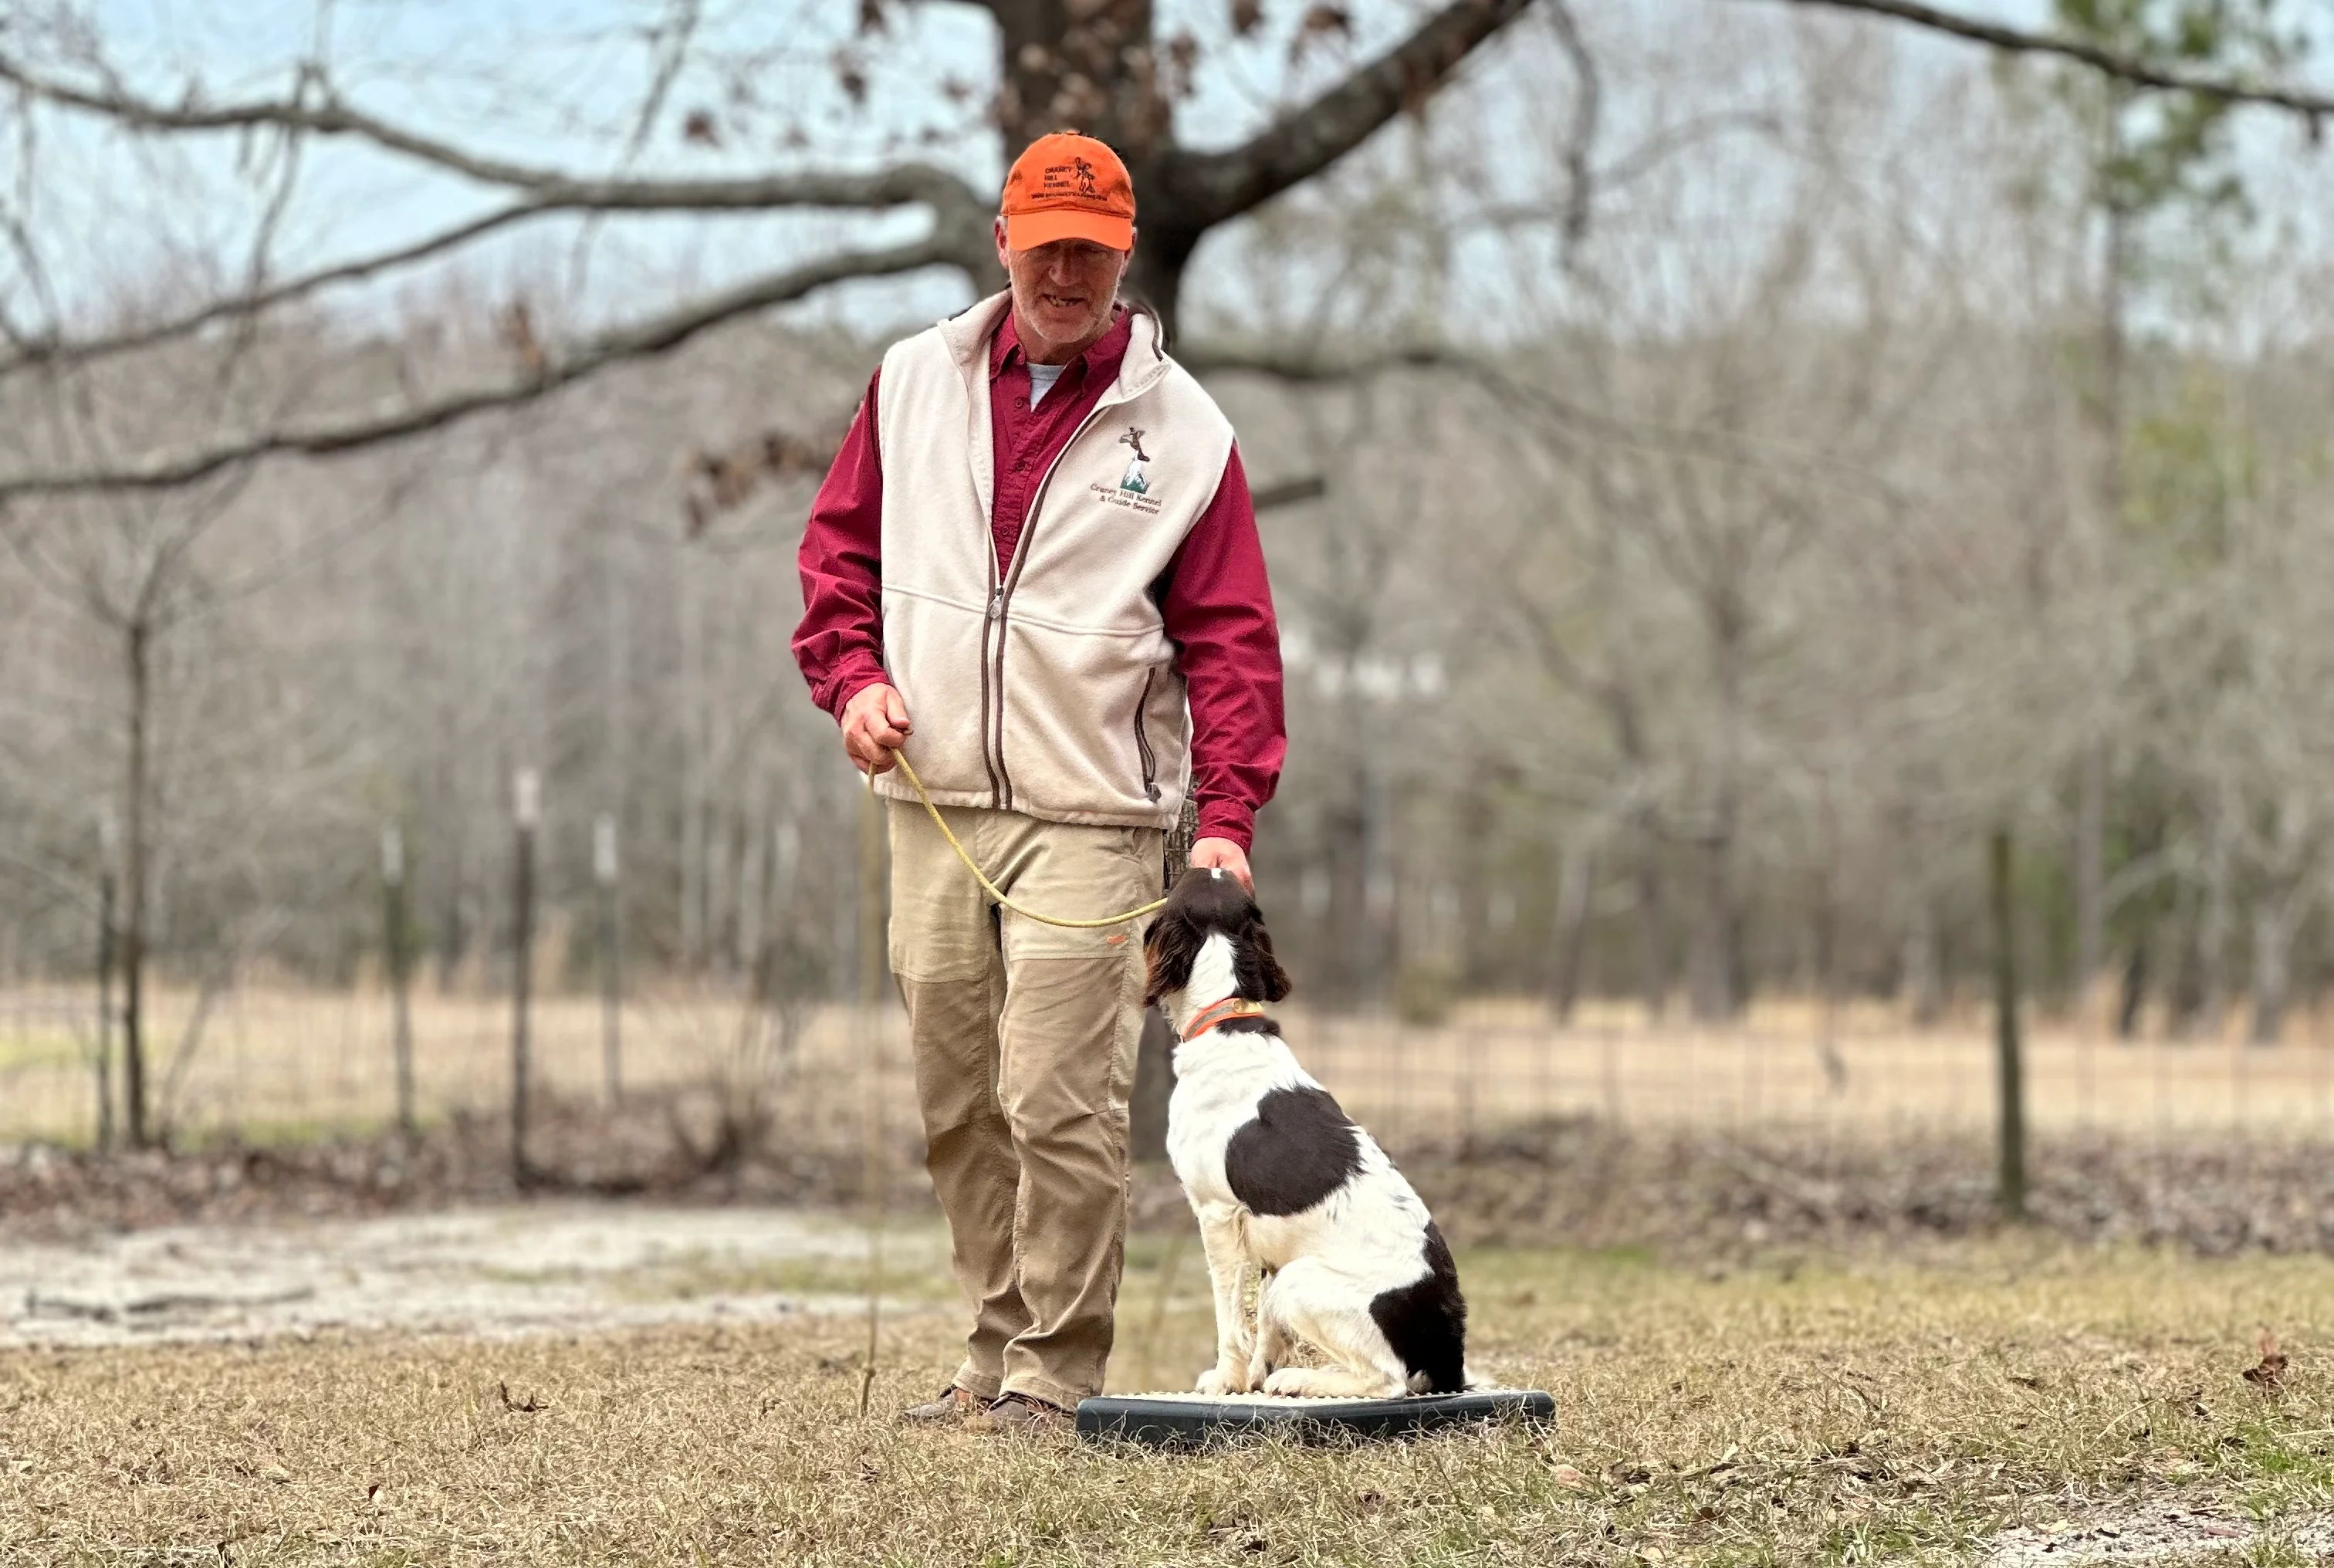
(1283, 1181)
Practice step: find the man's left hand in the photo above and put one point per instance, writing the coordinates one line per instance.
(1225, 855)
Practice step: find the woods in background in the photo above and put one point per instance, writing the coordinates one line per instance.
(1728, 463)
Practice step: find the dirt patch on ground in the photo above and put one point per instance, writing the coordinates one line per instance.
(492, 1272)
(652, 1150)
(1578, 1182)
(2160, 1532)
(1575, 1181)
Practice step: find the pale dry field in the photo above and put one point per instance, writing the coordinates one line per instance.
(280, 1062)
(2010, 1402)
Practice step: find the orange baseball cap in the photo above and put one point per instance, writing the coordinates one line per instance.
(1068, 187)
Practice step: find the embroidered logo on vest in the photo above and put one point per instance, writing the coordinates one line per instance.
(1136, 482)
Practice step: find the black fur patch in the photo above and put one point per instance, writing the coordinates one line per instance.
(1426, 1319)
(1300, 1148)
(1200, 905)
(1247, 1024)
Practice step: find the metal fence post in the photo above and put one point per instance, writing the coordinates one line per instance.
(612, 993)
(395, 948)
(105, 985)
(2010, 1103)
(526, 809)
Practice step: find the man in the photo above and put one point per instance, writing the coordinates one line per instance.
(1034, 566)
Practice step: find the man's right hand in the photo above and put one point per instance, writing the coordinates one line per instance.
(875, 727)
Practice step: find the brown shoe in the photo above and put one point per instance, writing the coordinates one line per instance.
(954, 1404)
(1026, 1413)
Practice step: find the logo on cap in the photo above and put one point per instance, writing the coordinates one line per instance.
(1066, 185)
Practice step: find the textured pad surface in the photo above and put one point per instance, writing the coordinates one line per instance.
(1182, 1420)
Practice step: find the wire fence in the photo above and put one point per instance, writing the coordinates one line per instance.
(278, 1063)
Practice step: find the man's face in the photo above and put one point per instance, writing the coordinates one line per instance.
(1062, 292)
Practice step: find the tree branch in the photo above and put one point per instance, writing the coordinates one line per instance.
(1580, 182)
(1201, 190)
(2126, 67)
(1310, 366)
(166, 469)
(51, 349)
(891, 186)
(962, 218)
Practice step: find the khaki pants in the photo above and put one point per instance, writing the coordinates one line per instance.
(1023, 1037)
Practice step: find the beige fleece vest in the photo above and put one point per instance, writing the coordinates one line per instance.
(1053, 692)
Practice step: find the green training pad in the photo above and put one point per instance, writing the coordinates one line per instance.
(1188, 1420)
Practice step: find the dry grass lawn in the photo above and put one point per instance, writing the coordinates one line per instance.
(1811, 1411)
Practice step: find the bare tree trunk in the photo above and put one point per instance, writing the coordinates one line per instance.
(2275, 917)
(1921, 974)
(2135, 990)
(2091, 787)
(1717, 958)
(1653, 922)
(1574, 883)
(752, 882)
(2213, 932)
(692, 768)
(1713, 980)
(105, 946)
(135, 855)
(1345, 825)
(1381, 886)
(2090, 912)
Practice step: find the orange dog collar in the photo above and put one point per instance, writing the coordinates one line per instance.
(1216, 1013)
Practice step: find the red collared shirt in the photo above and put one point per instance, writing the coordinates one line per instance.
(1213, 597)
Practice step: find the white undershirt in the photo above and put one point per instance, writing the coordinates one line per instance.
(1041, 380)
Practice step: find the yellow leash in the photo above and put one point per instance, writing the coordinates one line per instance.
(991, 888)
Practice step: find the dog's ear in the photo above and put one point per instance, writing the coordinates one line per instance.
(1261, 978)
(1168, 951)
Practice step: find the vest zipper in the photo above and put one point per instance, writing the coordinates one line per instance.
(1000, 603)
(1143, 741)
(989, 626)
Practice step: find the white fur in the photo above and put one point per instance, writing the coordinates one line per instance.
(1325, 1264)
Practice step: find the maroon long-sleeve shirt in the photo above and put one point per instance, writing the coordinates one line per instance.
(1213, 597)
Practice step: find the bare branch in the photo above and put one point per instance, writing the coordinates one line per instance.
(1203, 188)
(2126, 67)
(49, 349)
(1580, 186)
(166, 469)
(59, 886)
(1309, 366)
(962, 215)
(891, 186)
(672, 39)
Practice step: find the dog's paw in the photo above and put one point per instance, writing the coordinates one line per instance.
(1225, 1380)
(1291, 1383)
